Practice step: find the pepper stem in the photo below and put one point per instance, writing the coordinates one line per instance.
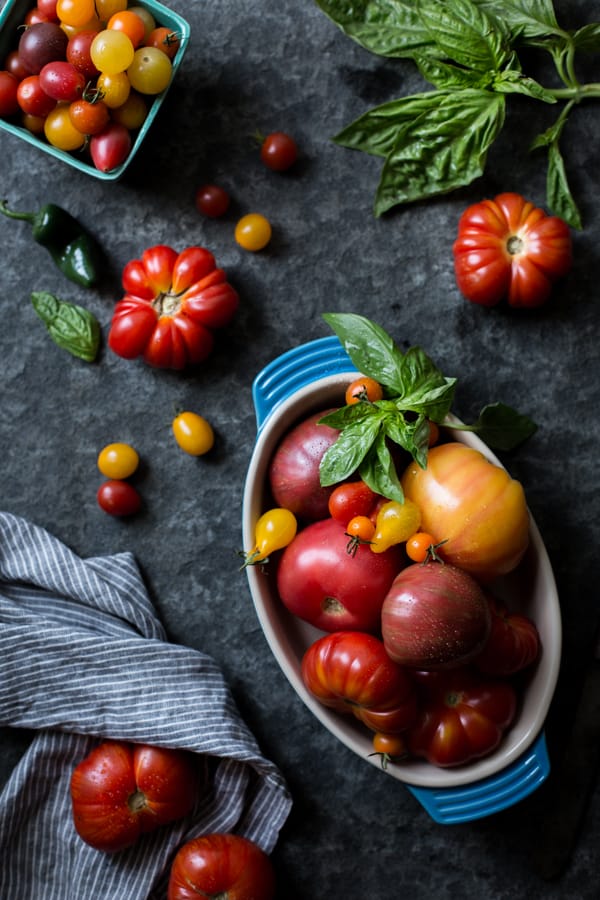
(13, 214)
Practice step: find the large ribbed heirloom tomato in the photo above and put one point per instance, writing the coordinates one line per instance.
(223, 867)
(173, 302)
(474, 506)
(507, 247)
(120, 791)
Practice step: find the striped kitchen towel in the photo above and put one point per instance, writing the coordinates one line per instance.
(83, 657)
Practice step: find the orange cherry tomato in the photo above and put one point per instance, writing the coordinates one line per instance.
(363, 388)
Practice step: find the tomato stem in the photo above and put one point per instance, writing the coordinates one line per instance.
(136, 801)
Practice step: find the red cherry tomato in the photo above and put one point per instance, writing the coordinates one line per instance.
(212, 200)
(118, 498)
(279, 151)
(9, 85)
(120, 791)
(62, 81)
(221, 865)
(78, 53)
(164, 39)
(354, 498)
(110, 147)
(508, 248)
(33, 99)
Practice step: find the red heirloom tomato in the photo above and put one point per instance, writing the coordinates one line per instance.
(513, 644)
(349, 671)
(333, 589)
(461, 717)
(507, 247)
(172, 304)
(471, 505)
(224, 866)
(120, 791)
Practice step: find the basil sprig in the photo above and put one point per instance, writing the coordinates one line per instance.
(71, 327)
(436, 141)
(415, 391)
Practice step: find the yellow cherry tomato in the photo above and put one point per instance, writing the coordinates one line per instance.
(118, 460)
(395, 523)
(253, 232)
(193, 433)
(132, 114)
(274, 530)
(115, 89)
(60, 131)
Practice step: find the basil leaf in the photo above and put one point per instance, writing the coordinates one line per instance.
(376, 131)
(442, 149)
(370, 348)
(412, 435)
(587, 39)
(501, 426)
(386, 27)
(379, 472)
(445, 76)
(71, 327)
(558, 193)
(425, 389)
(528, 18)
(344, 457)
(465, 34)
(347, 415)
(514, 82)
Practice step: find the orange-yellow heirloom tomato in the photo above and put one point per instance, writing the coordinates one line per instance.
(474, 506)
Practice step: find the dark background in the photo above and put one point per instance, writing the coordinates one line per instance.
(265, 65)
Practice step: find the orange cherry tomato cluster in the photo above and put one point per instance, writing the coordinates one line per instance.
(84, 73)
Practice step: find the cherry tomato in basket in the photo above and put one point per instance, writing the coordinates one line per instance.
(320, 582)
(75, 12)
(212, 200)
(275, 529)
(118, 498)
(172, 304)
(48, 7)
(164, 39)
(278, 151)
(130, 24)
(193, 433)
(363, 388)
(461, 717)
(89, 117)
(32, 98)
(110, 147)
(118, 460)
(133, 113)
(62, 81)
(60, 131)
(78, 53)
(121, 790)
(513, 644)
(253, 232)
(221, 865)
(350, 672)
(14, 64)
(115, 88)
(353, 498)
(112, 51)
(150, 70)
(107, 8)
(9, 85)
(508, 248)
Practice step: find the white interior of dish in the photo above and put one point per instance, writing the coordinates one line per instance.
(531, 589)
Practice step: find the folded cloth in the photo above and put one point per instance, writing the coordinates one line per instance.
(83, 657)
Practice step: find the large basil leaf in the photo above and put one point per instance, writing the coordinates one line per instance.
(385, 27)
(442, 149)
(526, 18)
(465, 34)
(370, 347)
(71, 327)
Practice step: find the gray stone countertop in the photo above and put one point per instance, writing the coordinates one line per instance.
(260, 65)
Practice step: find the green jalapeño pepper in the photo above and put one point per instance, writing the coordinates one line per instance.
(73, 249)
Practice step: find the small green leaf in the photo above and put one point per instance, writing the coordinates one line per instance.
(71, 327)
(447, 77)
(513, 82)
(347, 453)
(587, 39)
(558, 193)
(378, 471)
(502, 427)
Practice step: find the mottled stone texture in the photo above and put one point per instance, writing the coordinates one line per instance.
(264, 65)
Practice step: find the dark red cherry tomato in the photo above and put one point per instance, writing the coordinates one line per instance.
(62, 81)
(118, 498)
(279, 151)
(9, 85)
(212, 200)
(78, 53)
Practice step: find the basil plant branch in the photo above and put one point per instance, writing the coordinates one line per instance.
(415, 392)
(436, 141)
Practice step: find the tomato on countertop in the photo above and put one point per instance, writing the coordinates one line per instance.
(173, 302)
(507, 247)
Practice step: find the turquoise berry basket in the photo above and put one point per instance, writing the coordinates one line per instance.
(12, 16)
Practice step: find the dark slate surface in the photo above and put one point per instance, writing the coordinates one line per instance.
(251, 65)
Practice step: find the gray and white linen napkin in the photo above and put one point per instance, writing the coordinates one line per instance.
(83, 657)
